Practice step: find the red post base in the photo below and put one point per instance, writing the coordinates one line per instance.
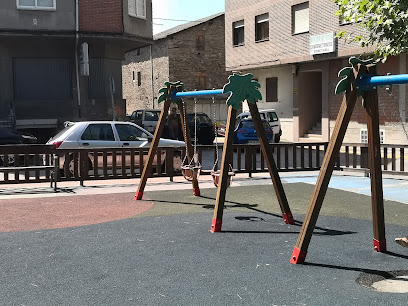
(196, 192)
(380, 246)
(216, 225)
(288, 218)
(298, 256)
(138, 195)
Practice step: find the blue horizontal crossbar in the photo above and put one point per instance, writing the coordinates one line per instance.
(213, 92)
(371, 81)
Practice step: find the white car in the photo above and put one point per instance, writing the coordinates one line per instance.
(108, 134)
(269, 115)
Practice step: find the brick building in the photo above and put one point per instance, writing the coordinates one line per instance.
(290, 48)
(192, 53)
(42, 80)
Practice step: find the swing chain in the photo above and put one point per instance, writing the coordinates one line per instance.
(195, 156)
(185, 128)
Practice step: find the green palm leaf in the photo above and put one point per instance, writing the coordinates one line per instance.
(241, 88)
(171, 88)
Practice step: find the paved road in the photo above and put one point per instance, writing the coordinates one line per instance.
(159, 251)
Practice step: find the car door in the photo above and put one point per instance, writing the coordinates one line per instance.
(98, 135)
(133, 137)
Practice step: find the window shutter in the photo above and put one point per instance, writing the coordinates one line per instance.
(301, 18)
(272, 89)
(132, 7)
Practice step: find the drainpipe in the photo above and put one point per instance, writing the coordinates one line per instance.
(76, 56)
(151, 68)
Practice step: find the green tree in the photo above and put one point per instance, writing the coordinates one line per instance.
(385, 20)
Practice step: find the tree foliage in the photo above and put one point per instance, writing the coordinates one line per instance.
(385, 20)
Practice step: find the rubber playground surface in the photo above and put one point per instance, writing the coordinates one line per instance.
(95, 245)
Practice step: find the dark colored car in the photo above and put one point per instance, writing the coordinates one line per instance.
(205, 128)
(14, 137)
(245, 132)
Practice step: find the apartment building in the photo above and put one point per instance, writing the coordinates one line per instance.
(291, 49)
(192, 53)
(61, 60)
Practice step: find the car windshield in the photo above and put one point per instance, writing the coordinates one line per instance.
(62, 131)
(201, 118)
(249, 124)
(152, 115)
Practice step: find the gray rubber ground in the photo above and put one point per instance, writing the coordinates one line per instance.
(167, 256)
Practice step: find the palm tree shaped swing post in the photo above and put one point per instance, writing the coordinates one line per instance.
(359, 79)
(243, 88)
(168, 95)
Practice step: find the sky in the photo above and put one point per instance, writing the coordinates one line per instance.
(184, 10)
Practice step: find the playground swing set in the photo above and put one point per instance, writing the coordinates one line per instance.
(240, 88)
(359, 79)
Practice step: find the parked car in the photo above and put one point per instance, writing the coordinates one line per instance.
(14, 137)
(245, 132)
(205, 128)
(271, 117)
(108, 134)
(146, 118)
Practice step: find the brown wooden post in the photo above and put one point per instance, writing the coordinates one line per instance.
(374, 159)
(273, 171)
(189, 147)
(153, 149)
(224, 179)
(343, 118)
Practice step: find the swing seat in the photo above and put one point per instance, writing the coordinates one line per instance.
(216, 177)
(189, 172)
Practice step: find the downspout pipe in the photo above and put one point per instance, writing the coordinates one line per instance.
(76, 56)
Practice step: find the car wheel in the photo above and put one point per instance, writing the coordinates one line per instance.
(277, 138)
(177, 162)
(71, 166)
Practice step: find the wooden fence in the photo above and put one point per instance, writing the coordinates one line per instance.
(119, 163)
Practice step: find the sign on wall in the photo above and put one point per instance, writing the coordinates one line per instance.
(322, 43)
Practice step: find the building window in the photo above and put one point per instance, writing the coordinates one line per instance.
(137, 8)
(36, 4)
(200, 43)
(139, 78)
(364, 136)
(262, 27)
(238, 33)
(138, 51)
(133, 76)
(272, 89)
(300, 18)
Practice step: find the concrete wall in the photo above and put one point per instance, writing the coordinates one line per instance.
(284, 105)
(62, 19)
(175, 58)
(283, 46)
(138, 26)
(136, 96)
